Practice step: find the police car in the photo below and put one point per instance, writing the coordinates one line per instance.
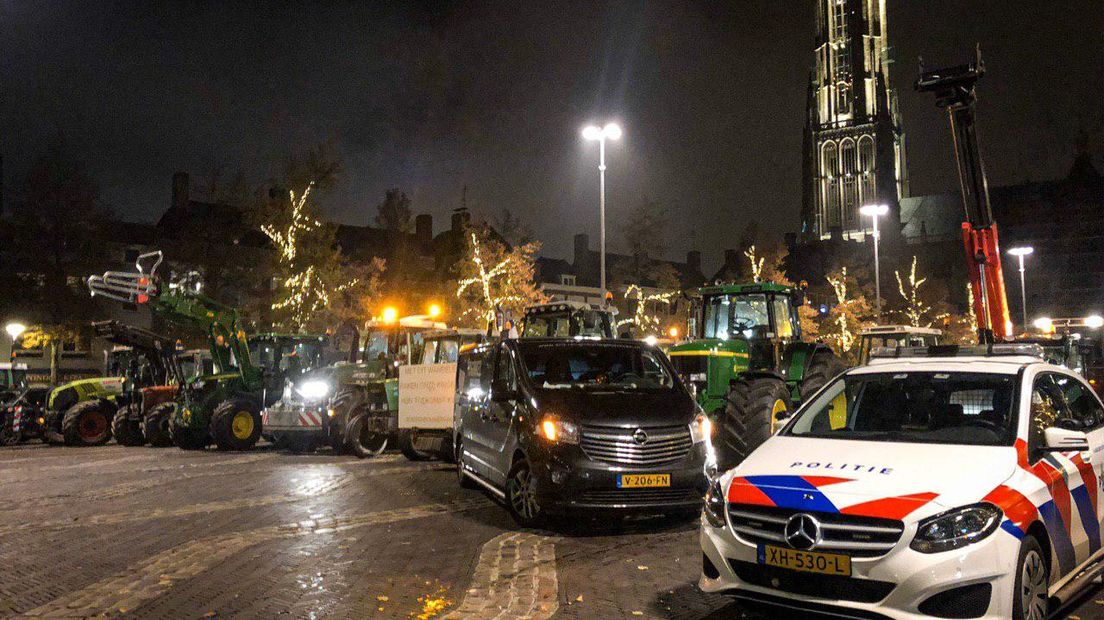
(938, 482)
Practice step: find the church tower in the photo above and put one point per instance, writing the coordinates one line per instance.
(854, 142)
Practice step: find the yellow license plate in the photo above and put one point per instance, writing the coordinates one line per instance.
(643, 481)
(806, 561)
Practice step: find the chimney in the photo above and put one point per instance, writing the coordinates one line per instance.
(423, 228)
(582, 250)
(180, 187)
(460, 218)
(731, 258)
(693, 261)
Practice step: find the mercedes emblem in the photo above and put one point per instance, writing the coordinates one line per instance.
(802, 531)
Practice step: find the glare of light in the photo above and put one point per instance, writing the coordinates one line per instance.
(592, 132)
(874, 210)
(551, 431)
(612, 131)
(314, 390)
(673, 332)
(434, 310)
(390, 314)
(1021, 250)
(1095, 321)
(1043, 324)
(15, 329)
(650, 340)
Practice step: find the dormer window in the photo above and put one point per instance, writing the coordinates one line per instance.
(567, 280)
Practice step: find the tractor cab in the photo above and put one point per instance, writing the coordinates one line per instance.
(283, 357)
(896, 336)
(567, 319)
(13, 378)
(443, 346)
(746, 364)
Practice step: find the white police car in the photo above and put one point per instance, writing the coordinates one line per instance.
(960, 486)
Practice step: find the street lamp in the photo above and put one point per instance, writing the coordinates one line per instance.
(15, 329)
(874, 212)
(611, 132)
(1020, 252)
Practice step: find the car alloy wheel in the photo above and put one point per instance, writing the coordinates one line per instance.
(1033, 587)
(523, 497)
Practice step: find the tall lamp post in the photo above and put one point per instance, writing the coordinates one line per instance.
(15, 329)
(1020, 252)
(874, 212)
(611, 132)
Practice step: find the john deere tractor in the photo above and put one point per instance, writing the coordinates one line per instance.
(747, 364)
(223, 407)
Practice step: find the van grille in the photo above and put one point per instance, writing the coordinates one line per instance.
(664, 444)
(861, 537)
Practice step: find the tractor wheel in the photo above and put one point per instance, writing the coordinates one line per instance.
(236, 424)
(88, 423)
(155, 428)
(749, 417)
(362, 441)
(186, 438)
(127, 429)
(408, 445)
(822, 368)
(8, 435)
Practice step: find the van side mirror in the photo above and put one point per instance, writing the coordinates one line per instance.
(1062, 440)
(501, 392)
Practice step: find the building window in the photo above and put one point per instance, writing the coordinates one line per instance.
(839, 20)
(567, 280)
(850, 182)
(830, 172)
(866, 168)
(843, 98)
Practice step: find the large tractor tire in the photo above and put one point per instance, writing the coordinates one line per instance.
(362, 440)
(186, 438)
(408, 444)
(126, 427)
(822, 368)
(236, 424)
(8, 435)
(88, 423)
(155, 428)
(750, 417)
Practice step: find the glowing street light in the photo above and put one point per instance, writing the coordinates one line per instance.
(434, 310)
(611, 131)
(15, 330)
(390, 314)
(874, 212)
(1020, 252)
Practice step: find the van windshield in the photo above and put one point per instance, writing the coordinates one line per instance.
(594, 366)
(913, 407)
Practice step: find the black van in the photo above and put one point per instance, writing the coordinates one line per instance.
(552, 425)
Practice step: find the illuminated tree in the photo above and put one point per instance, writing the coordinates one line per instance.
(756, 264)
(850, 315)
(917, 311)
(315, 289)
(646, 317)
(50, 338)
(495, 278)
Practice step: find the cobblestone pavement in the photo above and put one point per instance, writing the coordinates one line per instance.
(163, 533)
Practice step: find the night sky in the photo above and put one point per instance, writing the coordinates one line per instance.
(429, 97)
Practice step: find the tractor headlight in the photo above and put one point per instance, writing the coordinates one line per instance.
(559, 431)
(313, 390)
(956, 528)
(714, 508)
(701, 429)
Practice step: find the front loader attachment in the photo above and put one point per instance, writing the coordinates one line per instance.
(135, 287)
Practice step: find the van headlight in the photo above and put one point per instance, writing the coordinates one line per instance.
(714, 508)
(559, 431)
(956, 528)
(701, 429)
(313, 390)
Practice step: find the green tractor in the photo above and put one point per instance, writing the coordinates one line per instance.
(747, 365)
(223, 407)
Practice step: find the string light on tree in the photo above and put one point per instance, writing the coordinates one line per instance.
(917, 312)
(645, 321)
(495, 278)
(286, 241)
(756, 264)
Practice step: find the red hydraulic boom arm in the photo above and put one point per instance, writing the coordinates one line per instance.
(954, 90)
